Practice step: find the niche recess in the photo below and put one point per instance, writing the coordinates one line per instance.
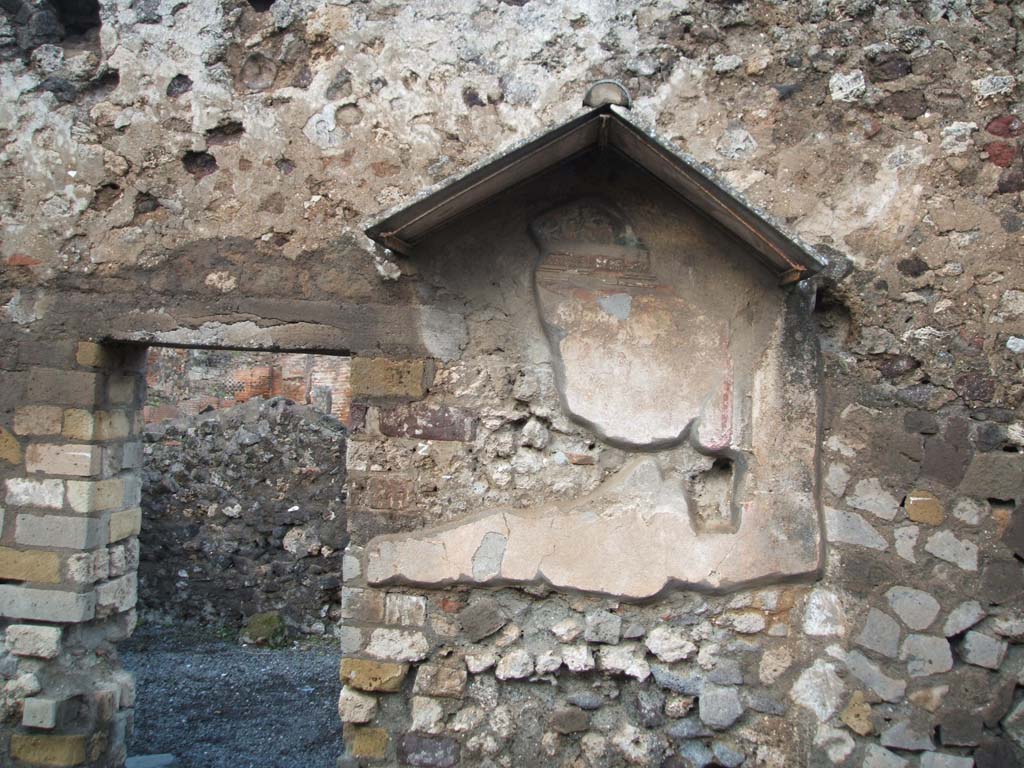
(677, 321)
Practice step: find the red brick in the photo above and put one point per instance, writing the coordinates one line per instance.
(429, 422)
(386, 491)
(1001, 153)
(1006, 126)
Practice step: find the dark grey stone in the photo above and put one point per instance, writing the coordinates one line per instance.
(999, 703)
(690, 684)
(727, 755)
(960, 728)
(990, 437)
(688, 728)
(650, 705)
(726, 672)
(908, 736)
(995, 753)
(921, 422)
(720, 706)
(764, 702)
(945, 459)
(62, 89)
(179, 84)
(481, 619)
(147, 11)
(633, 631)
(588, 700)
(1002, 582)
(1014, 536)
(431, 751)
(569, 720)
(695, 755)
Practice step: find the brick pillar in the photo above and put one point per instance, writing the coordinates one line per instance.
(68, 558)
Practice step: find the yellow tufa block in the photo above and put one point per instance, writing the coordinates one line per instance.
(368, 675)
(10, 448)
(87, 496)
(125, 523)
(38, 565)
(37, 420)
(378, 377)
(60, 751)
(370, 743)
(79, 424)
(924, 507)
(92, 355)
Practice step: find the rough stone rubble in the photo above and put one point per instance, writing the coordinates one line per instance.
(243, 513)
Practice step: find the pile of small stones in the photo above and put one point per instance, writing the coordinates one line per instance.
(244, 513)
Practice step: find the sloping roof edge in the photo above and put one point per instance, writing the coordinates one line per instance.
(401, 228)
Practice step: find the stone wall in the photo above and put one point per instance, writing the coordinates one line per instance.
(243, 512)
(200, 175)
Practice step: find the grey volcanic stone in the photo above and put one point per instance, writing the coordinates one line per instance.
(880, 757)
(982, 650)
(688, 728)
(880, 634)
(963, 617)
(850, 528)
(905, 735)
(690, 684)
(960, 552)
(764, 702)
(726, 672)
(1013, 724)
(693, 754)
(1002, 582)
(874, 678)
(650, 704)
(720, 706)
(588, 700)
(915, 608)
(939, 760)
(926, 655)
(728, 755)
(602, 627)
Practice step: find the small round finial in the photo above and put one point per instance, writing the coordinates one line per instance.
(607, 92)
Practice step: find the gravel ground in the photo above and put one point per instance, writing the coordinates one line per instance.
(215, 704)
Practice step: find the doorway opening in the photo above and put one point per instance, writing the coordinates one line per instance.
(243, 529)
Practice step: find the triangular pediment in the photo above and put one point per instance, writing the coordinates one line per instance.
(607, 129)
